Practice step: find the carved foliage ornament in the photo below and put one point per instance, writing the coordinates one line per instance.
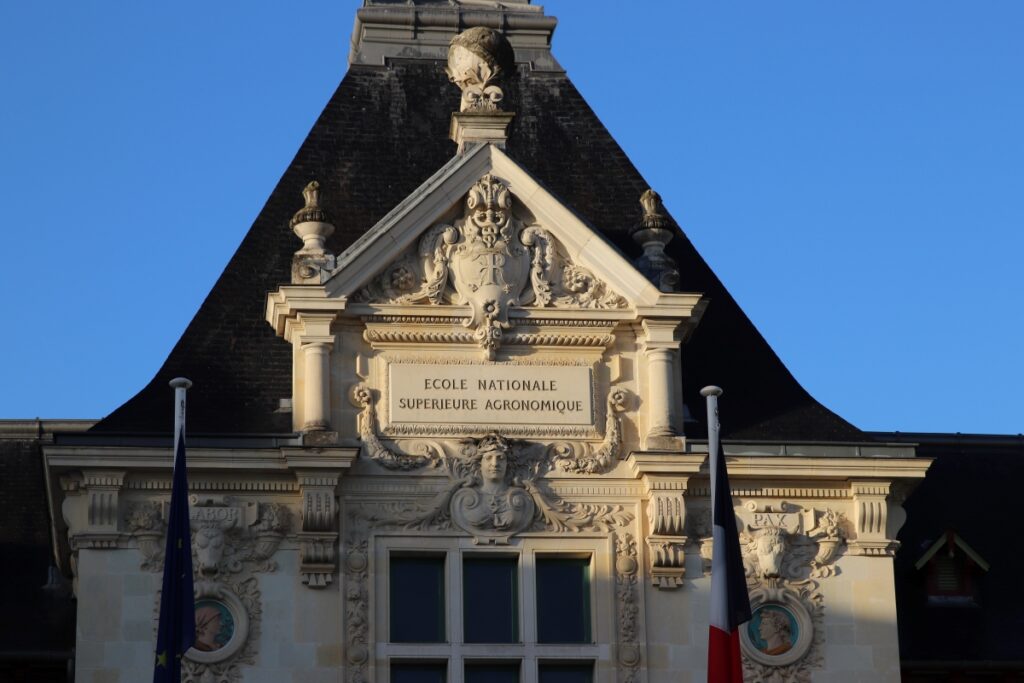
(227, 630)
(491, 261)
(786, 543)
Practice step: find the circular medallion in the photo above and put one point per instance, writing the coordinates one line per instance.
(779, 632)
(214, 625)
(222, 624)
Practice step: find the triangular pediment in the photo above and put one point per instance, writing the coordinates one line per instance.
(483, 232)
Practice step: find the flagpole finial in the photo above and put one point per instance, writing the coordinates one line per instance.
(711, 390)
(181, 383)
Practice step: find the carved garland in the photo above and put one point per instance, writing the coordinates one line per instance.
(626, 596)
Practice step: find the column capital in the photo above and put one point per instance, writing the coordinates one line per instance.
(661, 332)
(307, 328)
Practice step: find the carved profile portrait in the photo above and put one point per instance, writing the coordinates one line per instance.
(214, 625)
(773, 630)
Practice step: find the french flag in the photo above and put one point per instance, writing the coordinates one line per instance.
(730, 604)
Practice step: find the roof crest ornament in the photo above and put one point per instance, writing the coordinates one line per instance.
(654, 231)
(310, 224)
(478, 60)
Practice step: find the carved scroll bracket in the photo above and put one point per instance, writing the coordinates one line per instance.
(666, 519)
(666, 478)
(871, 506)
(91, 510)
(601, 458)
(318, 560)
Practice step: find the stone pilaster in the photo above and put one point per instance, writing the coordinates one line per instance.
(661, 349)
(311, 333)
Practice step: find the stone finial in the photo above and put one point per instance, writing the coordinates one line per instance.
(312, 227)
(654, 213)
(310, 222)
(478, 59)
(311, 212)
(653, 232)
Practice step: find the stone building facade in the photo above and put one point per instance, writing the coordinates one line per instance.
(446, 425)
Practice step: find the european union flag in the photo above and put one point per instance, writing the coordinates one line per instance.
(177, 630)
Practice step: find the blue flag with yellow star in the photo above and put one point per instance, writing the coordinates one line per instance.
(177, 629)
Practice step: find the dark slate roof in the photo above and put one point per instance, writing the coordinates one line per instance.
(37, 625)
(383, 133)
(971, 490)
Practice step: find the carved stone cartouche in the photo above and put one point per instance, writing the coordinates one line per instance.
(492, 261)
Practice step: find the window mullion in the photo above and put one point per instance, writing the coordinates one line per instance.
(528, 597)
(455, 628)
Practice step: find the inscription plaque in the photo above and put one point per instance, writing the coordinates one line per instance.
(492, 394)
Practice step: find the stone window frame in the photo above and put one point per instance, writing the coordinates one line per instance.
(528, 652)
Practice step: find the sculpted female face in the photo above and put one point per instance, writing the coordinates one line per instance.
(493, 465)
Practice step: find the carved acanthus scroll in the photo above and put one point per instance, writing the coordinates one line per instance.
(362, 397)
(602, 458)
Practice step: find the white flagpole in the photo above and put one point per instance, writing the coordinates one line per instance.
(180, 385)
(712, 393)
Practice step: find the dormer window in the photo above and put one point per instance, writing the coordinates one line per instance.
(951, 571)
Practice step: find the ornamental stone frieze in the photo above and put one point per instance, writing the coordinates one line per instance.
(496, 489)
(228, 536)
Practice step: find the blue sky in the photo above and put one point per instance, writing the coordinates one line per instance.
(854, 173)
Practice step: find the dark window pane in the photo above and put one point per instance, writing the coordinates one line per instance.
(563, 600)
(426, 672)
(417, 599)
(566, 673)
(490, 594)
(477, 672)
